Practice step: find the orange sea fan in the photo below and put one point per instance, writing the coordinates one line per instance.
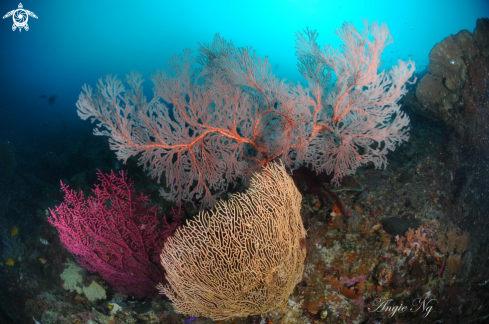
(454, 263)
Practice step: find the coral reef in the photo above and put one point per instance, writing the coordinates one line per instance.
(452, 242)
(379, 241)
(242, 117)
(455, 89)
(415, 241)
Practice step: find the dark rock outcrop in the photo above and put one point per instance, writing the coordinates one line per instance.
(456, 89)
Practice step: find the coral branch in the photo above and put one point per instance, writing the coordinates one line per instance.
(115, 233)
(208, 127)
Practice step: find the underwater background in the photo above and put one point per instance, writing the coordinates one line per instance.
(413, 233)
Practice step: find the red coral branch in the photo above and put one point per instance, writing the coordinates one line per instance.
(116, 233)
(206, 128)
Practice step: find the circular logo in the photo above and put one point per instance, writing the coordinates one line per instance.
(20, 17)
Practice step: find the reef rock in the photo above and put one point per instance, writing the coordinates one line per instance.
(455, 88)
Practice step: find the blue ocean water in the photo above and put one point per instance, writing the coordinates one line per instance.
(69, 44)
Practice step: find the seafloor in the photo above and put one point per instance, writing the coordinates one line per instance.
(388, 245)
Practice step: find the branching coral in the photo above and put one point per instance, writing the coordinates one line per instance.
(454, 242)
(242, 258)
(452, 239)
(454, 263)
(414, 241)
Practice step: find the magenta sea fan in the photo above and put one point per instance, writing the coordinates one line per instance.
(115, 233)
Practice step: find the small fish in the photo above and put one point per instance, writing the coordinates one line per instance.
(190, 320)
(36, 321)
(43, 96)
(52, 99)
(43, 241)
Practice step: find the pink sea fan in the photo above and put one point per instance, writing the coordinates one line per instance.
(116, 233)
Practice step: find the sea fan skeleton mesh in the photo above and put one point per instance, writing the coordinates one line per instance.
(212, 125)
(242, 258)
